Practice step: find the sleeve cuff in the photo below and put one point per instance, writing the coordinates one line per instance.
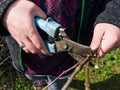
(111, 14)
(4, 4)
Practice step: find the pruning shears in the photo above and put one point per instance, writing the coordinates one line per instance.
(59, 41)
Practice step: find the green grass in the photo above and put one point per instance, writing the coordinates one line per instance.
(105, 78)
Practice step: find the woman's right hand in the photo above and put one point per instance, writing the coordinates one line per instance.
(19, 20)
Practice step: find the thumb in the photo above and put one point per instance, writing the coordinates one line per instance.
(40, 13)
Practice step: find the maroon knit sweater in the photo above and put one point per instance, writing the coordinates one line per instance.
(63, 12)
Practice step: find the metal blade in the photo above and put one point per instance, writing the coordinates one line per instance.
(76, 57)
(77, 48)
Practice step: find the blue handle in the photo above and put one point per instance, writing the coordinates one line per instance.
(51, 28)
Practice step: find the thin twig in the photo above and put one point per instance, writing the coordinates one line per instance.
(61, 75)
(4, 60)
(87, 84)
(98, 57)
(78, 68)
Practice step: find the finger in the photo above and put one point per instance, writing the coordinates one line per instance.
(21, 44)
(39, 44)
(105, 47)
(96, 40)
(29, 46)
(108, 44)
(26, 49)
(37, 40)
(40, 13)
(42, 52)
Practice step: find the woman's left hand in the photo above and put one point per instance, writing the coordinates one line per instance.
(107, 36)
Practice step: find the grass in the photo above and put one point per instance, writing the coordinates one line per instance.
(105, 78)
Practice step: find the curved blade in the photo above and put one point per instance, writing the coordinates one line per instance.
(78, 49)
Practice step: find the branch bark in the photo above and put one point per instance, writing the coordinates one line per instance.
(75, 72)
(87, 84)
(61, 75)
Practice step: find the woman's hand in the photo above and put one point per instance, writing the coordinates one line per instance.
(19, 20)
(107, 36)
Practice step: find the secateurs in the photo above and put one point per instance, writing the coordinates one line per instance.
(59, 41)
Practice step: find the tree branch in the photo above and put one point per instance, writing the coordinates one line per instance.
(61, 75)
(78, 68)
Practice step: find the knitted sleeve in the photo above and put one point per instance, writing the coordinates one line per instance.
(111, 14)
(4, 4)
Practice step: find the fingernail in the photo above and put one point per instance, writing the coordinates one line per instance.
(46, 52)
(94, 47)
